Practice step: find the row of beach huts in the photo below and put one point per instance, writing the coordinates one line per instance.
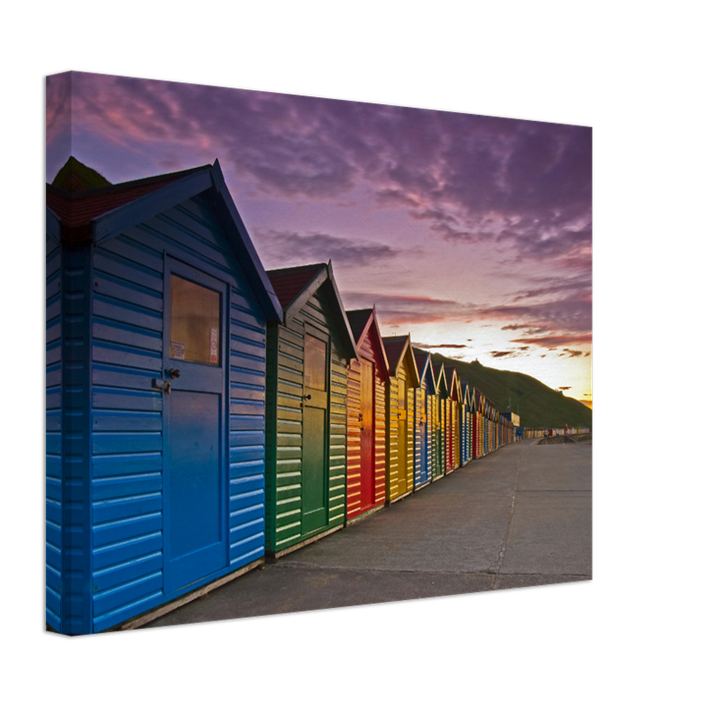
(204, 413)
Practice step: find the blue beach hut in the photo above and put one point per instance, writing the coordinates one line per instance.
(157, 309)
(424, 418)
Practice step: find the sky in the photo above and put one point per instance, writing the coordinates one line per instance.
(471, 233)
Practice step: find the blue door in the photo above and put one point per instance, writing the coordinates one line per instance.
(194, 380)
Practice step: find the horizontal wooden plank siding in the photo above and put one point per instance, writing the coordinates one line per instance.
(284, 507)
(410, 473)
(75, 425)
(423, 447)
(53, 435)
(395, 469)
(354, 501)
(391, 439)
(434, 430)
(246, 444)
(380, 442)
(127, 445)
(284, 480)
(149, 496)
(127, 463)
(338, 440)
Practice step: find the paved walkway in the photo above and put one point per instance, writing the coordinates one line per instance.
(521, 516)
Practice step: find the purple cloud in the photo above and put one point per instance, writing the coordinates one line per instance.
(294, 248)
(471, 177)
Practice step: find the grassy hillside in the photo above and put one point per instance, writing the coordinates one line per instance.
(540, 407)
(75, 176)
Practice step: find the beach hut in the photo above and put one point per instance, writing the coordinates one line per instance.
(486, 426)
(474, 418)
(452, 420)
(462, 428)
(367, 378)
(308, 355)
(400, 420)
(434, 425)
(440, 392)
(493, 429)
(424, 414)
(157, 309)
(465, 423)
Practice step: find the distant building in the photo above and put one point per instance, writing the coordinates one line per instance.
(512, 417)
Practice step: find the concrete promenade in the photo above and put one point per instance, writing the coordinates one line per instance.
(519, 517)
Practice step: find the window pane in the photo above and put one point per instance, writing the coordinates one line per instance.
(194, 322)
(315, 363)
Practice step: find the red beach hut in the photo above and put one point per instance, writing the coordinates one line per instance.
(367, 378)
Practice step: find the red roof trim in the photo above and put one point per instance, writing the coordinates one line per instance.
(80, 208)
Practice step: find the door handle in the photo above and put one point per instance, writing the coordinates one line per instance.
(308, 396)
(160, 384)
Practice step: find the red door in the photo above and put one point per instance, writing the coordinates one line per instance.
(367, 434)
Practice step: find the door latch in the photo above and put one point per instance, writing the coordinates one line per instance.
(160, 384)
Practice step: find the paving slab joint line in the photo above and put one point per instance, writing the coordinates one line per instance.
(503, 546)
(335, 568)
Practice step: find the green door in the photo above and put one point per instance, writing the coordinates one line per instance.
(315, 431)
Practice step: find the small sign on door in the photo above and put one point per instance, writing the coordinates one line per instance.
(177, 350)
(213, 345)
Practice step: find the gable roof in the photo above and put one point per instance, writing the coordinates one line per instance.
(439, 380)
(295, 286)
(473, 400)
(483, 405)
(423, 362)
(364, 323)
(359, 320)
(466, 392)
(79, 208)
(399, 348)
(290, 283)
(477, 397)
(94, 215)
(453, 382)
